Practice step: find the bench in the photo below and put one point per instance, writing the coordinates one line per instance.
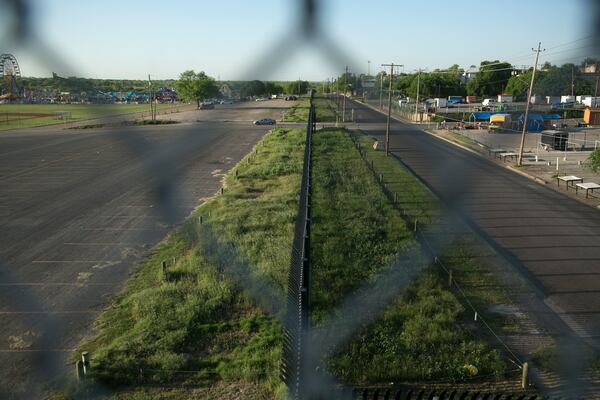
(587, 186)
(508, 154)
(495, 152)
(569, 179)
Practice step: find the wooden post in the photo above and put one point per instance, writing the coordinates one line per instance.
(475, 319)
(221, 190)
(174, 260)
(395, 197)
(164, 268)
(79, 370)
(380, 178)
(416, 222)
(525, 376)
(450, 278)
(200, 220)
(236, 173)
(85, 360)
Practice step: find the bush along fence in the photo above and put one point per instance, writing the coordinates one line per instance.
(296, 320)
(420, 223)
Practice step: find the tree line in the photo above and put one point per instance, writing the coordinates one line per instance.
(492, 77)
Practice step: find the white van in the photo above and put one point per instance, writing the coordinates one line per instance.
(488, 103)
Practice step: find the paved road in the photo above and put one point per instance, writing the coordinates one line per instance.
(79, 207)
(553, 238)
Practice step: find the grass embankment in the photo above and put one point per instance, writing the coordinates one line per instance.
(423, 334)
(199, 317)
(15, 116)
(325, 110)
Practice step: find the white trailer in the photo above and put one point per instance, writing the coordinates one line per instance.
(440, 102)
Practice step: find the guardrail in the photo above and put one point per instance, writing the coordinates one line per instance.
(296, 322)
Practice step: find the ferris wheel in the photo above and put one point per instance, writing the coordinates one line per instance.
(10, 72)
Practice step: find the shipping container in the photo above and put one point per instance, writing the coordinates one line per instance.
(471, 99)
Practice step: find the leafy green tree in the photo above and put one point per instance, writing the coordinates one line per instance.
(193, 86)
(518, 85)
(253, 88)
(593, 161)
(491, 79)
(273, 88)
(297, 87)
(435, 84)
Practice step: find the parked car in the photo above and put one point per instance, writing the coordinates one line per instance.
(291, 98)
(207, 105)
(265, 121)
(488, 103)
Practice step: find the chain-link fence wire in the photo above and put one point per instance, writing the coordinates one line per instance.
(364, 304)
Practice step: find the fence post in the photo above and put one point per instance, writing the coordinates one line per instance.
(164, 269)
(380, 178)
(79, 370)
(525, 376)
(450, 278)
(85, 360)
(416, 222)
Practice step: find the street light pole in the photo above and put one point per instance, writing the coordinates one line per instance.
(529, 93)
(389, 113)
(417, 99)
(344, 99)
(381, 90)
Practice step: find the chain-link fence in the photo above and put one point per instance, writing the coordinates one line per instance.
(304, 345)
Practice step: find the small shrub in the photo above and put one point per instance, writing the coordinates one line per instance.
(593, 161)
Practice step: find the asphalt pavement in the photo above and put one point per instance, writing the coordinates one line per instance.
(553, 239)
(78, 208)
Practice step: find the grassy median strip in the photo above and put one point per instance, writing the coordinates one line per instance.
(196, 325)
(325, 110)
(421, 336)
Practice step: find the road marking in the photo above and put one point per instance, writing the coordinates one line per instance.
(49, 312)
(103, 244)
(36, 350)
(78, 284)
(124, 229)
(72, 261)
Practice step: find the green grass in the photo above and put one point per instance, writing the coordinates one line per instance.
(357, 232)
(199, 317)
(467, 263)
(325, 110)
(78, 112)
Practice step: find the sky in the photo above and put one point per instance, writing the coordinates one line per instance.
(261, 39)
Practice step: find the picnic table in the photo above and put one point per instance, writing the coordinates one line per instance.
(508, 154)
(587, 186)
(569, 179)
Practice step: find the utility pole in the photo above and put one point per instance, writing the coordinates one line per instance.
(368, 68)
(389, 113)
(150, 98)
(344, 99)
(417, 99)
(596, 91)
(529, 93)
(572, 81)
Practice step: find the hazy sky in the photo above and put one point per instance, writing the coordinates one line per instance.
(228, 38)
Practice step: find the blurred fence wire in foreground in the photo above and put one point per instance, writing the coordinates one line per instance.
(304, 345)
